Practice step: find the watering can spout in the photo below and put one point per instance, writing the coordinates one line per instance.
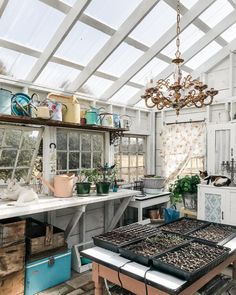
(47, 183)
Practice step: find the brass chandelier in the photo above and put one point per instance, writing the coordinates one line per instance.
(184, 92)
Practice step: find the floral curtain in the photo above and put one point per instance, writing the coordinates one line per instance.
(180, 142)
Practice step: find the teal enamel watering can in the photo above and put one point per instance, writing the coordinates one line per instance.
(92, 116)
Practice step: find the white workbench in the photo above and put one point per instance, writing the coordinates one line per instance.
(141, 202)
(8, 209)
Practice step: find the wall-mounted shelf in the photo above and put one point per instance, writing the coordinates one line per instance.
(114, 132)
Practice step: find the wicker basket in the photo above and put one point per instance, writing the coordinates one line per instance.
(153, 182)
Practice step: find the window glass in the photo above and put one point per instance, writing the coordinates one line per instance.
(82, 44)
(84, 150)
(187, 38)
(216, 12)
(155, 24)
(15, 64)
(203, 55)
(124, 94)
(30, 22)
(95, 86)
(130, 158)
(152, 69)
(120, 60)
(113, 13)
(188, 3)
(230, 33)
(19, 147)
(57, 76)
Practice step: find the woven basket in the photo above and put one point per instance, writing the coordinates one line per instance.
(153, 183)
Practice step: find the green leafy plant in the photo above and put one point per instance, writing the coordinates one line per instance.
(182, 185)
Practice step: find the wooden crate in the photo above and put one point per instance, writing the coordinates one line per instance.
(12, 259)
(13, 284)
(12, 230)
(41, 237)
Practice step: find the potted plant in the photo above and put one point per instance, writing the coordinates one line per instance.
(104, 179)
(83, 184)
(185, 188)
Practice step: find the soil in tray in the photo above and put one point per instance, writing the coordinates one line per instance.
(191, 258)
(128, 233)
(214, 233)
(155, 245)
(183, 226)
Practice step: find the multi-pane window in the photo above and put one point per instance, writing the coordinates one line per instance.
(77, 149)
(130, 157)
(193, 166)
(18, 150)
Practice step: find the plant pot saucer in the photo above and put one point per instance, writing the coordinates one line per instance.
(83, 195)
(102, 194)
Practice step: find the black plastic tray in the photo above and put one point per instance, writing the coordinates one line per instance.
(109, 245)
(203, 224)
(147, 260)
(218, 242)
(183, 274)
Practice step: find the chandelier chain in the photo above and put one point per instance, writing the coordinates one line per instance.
(178, 53)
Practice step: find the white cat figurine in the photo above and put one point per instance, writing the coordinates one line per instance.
(22, 195)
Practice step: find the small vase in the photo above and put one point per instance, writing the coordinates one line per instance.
(103, 188)
(83, 188)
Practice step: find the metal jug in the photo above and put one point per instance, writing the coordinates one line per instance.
(107, 119)
(92, 116)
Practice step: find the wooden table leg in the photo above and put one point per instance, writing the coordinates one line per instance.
(98, 281)
(234, 270)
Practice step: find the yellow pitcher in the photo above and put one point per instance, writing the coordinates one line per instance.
(72, 115)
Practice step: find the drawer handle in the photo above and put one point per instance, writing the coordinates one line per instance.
(222, 215)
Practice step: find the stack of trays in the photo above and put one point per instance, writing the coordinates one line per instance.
(123, 236)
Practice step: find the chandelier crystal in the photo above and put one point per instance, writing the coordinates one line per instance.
(183, 92)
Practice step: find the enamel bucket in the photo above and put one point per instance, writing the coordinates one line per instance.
(107, 119)
(5, 101)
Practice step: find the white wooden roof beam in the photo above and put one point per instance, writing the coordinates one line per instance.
(193, 50)
(61, 33)
(197, 22)
(96, 24)
(157, 47)
(3, 5)
(128, 25)
(35, 53)
(215, 59)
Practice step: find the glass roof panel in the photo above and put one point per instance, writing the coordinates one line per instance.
(153, 68)
(141, 104)
(70, 2)
(120, 60)
(15, 64)
(203, 55)
(216, 12)
(57, 76)
(155, 24)
(124, 94)
(187, 38)
(82, 44)
(95, 86)
(31, 23)
(188, 3)
(113, 13)
(230, 33)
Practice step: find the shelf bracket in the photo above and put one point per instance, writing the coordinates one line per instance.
(115, 136)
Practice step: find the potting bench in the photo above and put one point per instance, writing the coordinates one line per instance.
(136, 277)
(148, 200)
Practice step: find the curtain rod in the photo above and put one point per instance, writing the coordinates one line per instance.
(190, 121)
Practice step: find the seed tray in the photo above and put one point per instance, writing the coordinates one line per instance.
(184, 225)
(215, 233)
(123, 236)
(191, 260)
(143, 251)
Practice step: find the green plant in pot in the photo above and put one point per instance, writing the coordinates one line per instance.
(105, 178)
(185, 188)
(84, 183)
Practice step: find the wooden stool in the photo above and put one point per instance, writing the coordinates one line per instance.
(188, 213)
